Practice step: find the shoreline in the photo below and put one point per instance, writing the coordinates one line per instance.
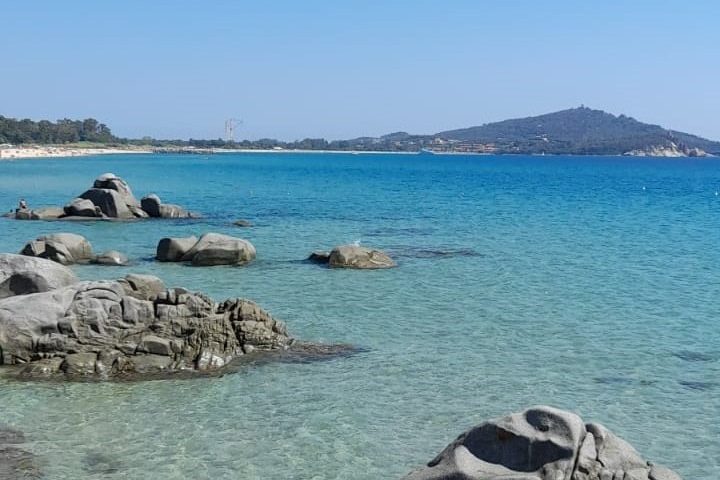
(60, 151)
(24, 153)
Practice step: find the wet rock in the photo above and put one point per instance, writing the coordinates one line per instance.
(541, 443)
(111, 257)
(173, 249)
(242, 223)
(64, 248)
(103, 329)
(319, 256)
(353, 256)
(21, 275)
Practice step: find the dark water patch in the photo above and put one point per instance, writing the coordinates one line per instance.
(698, 385)
(15, 463)
(395, 231)
(692, 356)
(613, 380)
(100, 463)
(431, 252)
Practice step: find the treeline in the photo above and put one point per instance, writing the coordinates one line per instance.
(19, 132)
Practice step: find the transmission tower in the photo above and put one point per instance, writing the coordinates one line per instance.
(230, 125)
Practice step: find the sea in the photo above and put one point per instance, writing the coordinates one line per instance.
(586, 283)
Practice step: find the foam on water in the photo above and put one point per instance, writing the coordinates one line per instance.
(521, 281)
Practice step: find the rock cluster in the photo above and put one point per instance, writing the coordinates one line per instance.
(211, 249)
(541, 443)
(353, 256)
(109, 198)
(130, 326)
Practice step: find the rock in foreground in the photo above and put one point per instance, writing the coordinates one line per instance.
(130, 326)
(541, 443)
(354, 256)
(20, 275)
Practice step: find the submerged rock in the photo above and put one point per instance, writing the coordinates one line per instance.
(242, 223)
(541, 443)
(15, 463)
(130, 327)
(111, 257)
(64, 248)
(20, 275)
(354, 256)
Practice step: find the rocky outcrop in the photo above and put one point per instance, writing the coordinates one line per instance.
(211, 249)
(541, 443)
(669, 150)
(156, 209)
(65, 248)
(20, 275)
(128, 327)
(354, 256)
(111, 257)
(109, 198)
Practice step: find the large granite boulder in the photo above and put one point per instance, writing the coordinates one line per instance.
(81, 207)
(211, 249)
(541, 443)
(65, 248)
(130, 326)
(20, 275)
(174, 249)
(155, 208)
(109, 201)
(355, 256)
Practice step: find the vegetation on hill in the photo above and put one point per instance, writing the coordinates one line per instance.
(19, 132)
(578, 131)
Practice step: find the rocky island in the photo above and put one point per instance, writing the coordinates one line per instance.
(109, 198)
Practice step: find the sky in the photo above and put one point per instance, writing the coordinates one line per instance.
(343, 69)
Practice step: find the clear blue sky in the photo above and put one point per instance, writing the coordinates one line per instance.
(340, 69)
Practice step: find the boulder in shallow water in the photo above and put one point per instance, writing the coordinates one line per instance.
(319, 256)
(112, 258)
(541, 443)
(21, 275)
(172, 249)
(354, 256)
(109, 201)
(127, 327)
(82, 207)
(46, 213)
(65, 248)
(218, 249)
(151, 204)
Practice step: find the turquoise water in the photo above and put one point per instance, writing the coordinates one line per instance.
(591, 284)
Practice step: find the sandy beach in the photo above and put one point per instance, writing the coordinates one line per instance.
(35, 151)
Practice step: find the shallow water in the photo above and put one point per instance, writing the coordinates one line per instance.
(585, 283)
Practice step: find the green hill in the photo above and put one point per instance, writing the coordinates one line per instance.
(577, 131)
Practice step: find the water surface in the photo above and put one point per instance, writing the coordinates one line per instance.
(587, 283)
